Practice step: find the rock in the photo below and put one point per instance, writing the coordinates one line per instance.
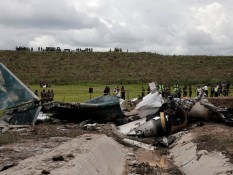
(58, 158)
(45, 172)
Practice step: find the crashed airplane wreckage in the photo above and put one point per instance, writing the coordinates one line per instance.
(152, 116)
(21, 106)
(162, 117)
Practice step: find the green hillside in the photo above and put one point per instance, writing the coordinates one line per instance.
(64, 68)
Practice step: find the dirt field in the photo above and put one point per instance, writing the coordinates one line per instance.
(45, 138)
(19, 145)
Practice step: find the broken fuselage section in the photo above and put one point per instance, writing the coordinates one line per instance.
(101, 109)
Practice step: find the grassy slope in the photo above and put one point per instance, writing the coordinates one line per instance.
(83, 70)
(115, 68)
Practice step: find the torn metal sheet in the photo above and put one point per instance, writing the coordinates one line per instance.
(12, 91)
(150, 104)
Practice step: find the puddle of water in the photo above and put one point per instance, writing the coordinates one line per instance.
(153, 158)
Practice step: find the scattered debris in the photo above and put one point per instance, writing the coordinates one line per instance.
(139, 144)
(18, 128)
(165, 141)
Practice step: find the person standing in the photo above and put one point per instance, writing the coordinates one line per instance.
(107, 90)
(143, 91)
(43, 96)
(161, 89)
(227, 88)
(211, 90)
(122, 92)
(198, 91)
(148, 89)
(205, 88)
(36, 93)
(190, 90)
(216, 90)
(219, 88)
(116, 92)
(175, 89)
(185, 91)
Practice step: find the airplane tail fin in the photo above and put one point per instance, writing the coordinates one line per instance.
(13, 92)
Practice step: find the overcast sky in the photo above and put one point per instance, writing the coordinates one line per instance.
(183, 27)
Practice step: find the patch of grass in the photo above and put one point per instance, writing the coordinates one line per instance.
(80, 93)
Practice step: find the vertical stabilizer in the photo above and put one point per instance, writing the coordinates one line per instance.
(13, 92)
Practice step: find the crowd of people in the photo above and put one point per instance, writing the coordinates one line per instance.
(218, 89)
(210, 90)
(116, 91)
(45, 96)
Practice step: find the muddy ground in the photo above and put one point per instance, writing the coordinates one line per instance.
(43, 138)
(17, 145)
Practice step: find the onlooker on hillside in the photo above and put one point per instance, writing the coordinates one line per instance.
(211, 90)
(161, 89)
(177, 91)
(36, 93)
(198, 91)
(166, 91)
(219, 88)
(43, 96)
(190, 91)
(143, 91)
(148, 89)
(216, 91)
(50, 95)
(122, 92)
(205, 89)
(226, 88)
(107, 90)
(116, 92)
(185, 91)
